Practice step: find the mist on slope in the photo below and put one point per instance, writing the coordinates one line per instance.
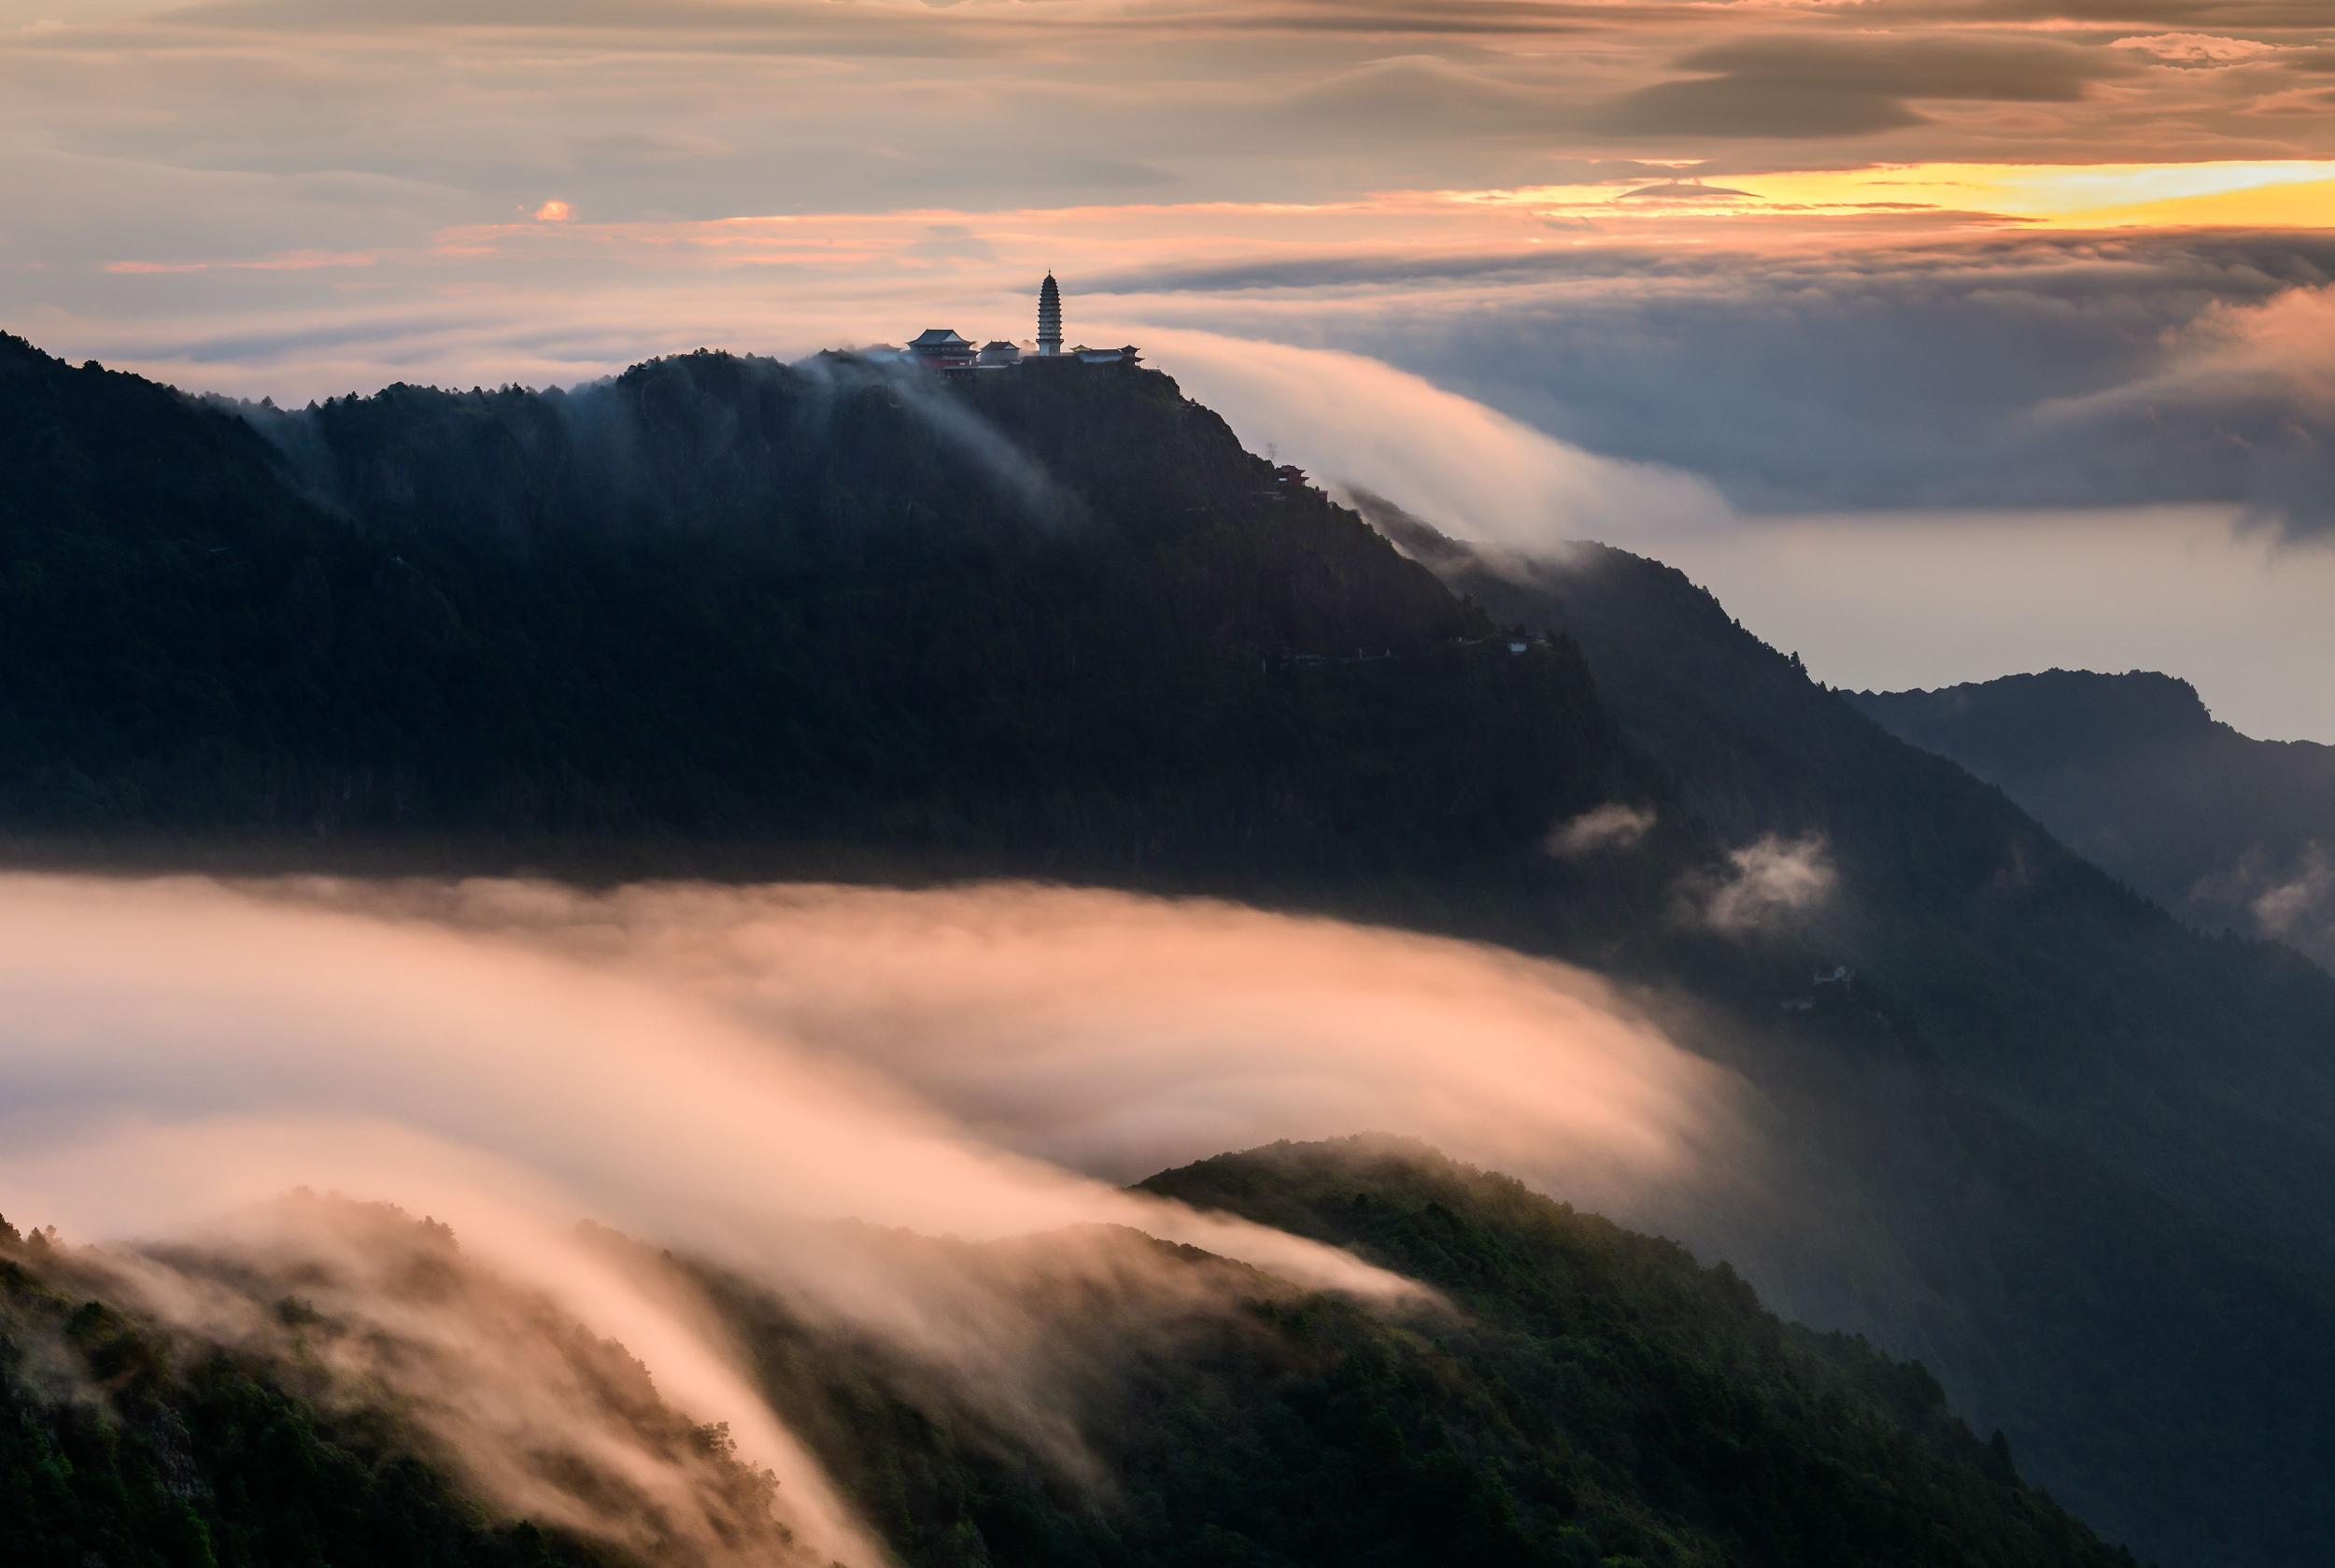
(621, 444)
(526, 1407)
(1885, 599)
(1361, 423)
(1765, 883)
(728, 1073)
(2293, 899)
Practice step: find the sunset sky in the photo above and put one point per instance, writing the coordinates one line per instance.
(1998, 309)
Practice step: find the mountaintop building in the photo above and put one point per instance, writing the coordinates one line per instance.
(941, 348)
(945, 350)
(1050, 334)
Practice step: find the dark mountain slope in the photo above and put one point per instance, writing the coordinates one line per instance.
(2230, 832)
(731, 602)
(2094, 1134)
(1597, 1397)
(2034, 970)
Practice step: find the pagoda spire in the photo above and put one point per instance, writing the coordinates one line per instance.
(1049, 319)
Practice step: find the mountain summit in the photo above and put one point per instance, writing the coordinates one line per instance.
(822, 614)
(2132, 770)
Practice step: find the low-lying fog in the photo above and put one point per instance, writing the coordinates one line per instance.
(719, 1070)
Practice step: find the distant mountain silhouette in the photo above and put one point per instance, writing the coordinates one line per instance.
(2058, 1095)
(2131, 770)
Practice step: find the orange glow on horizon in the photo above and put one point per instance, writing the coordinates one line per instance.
(1891, 200)
(2285, 193)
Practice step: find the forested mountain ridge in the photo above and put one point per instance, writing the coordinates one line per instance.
(1051, 621)
(2132, 770)
(1597, 1397)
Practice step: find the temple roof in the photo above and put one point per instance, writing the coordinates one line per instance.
(938, 337)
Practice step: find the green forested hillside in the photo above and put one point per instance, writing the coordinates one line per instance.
(122, 1447)
(1593, 1397)
(1588, 1397)
(2132, 771)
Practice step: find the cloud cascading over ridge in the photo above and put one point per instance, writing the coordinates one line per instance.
(1365, 424)
(529, 1406)
(1120, 1034)
(728, 1072)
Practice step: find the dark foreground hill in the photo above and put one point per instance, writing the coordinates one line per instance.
(2132, 771)
(1595, 1398)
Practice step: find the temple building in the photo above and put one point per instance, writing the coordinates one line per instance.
(941, 348)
